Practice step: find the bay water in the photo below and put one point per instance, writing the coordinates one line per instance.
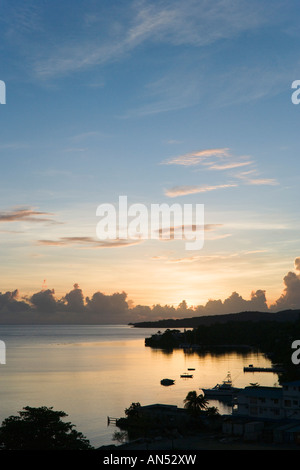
(92, 372)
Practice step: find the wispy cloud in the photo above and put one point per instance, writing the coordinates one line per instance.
(229, 166)
(185, 230)
(184, 190)
(207, 258)
(263, 181)
(23, 17)
(172, 22)
(251, 177)
(86, 135)
(13, 146)
(26, 215)
(88, 242)
(216, 159)
(172, 91)
(196, 157)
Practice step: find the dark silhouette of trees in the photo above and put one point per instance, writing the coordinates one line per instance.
(212, 412)
(132, 411)
(40, 429)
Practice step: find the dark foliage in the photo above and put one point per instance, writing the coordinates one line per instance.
(40, 429)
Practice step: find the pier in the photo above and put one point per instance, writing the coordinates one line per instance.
(112, 421)
(251, 368)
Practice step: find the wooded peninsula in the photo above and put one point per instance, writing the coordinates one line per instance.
(274, 334)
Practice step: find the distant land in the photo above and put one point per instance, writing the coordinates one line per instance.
(194, 322)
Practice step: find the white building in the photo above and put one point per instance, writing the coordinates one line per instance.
(269, 402)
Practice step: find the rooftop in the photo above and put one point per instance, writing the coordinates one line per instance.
(259, 391)
(295, 383)
(159, 406)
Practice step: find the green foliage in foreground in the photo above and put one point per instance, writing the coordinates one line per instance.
(40, 429)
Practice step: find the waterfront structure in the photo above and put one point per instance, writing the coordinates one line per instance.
(165, 414)
(269, 402)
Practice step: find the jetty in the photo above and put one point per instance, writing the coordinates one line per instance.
(112, 421)
(251, 368)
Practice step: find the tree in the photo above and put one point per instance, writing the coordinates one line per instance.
(212, 412)
(195, 403)
(40, 429)
(120, 436)
(132, 410)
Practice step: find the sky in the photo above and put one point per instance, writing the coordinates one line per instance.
(162, 102)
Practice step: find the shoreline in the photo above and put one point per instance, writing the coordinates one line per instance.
(200, 442)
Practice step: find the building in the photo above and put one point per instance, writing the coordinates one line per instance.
(291, 399)
(166, 415)
(269, 403)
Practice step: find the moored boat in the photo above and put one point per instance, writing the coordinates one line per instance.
(225, 389)
(167, 382)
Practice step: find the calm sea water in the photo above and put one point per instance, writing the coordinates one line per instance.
(92, 372)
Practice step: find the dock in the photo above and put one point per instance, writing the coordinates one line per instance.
(112, 421)
(251, 368)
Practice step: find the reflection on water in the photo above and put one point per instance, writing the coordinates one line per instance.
(92, 372)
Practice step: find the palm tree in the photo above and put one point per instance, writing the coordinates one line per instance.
(195, 403)
(212, 412)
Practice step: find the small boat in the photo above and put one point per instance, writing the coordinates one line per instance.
(191, 368)
(223, 390)
(185, 375)
(167, 382)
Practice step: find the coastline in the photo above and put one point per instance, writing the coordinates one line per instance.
(200, 442)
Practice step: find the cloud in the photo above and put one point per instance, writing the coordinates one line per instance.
(196, 157)
(44, 301)
(229, 166)
(185, 190)
(233, 304)
(186, 232)
(290, 298)
(174, 142)
(248, 178)
(13, 146)
(26, 215)
(87, 135)
(75, 299)
(173, 23)
(217, 159)
(114, 305)
(262, 181)
(175, 89)
(187, 229)
(214, 257)
(88, 242)
(21, 20)
(297, 264)
(116, 308)
(44, 307)
(187, 259)
(10, 303)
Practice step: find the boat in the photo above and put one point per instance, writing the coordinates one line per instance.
(186, 376)
(167, 382)
(223, 390)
